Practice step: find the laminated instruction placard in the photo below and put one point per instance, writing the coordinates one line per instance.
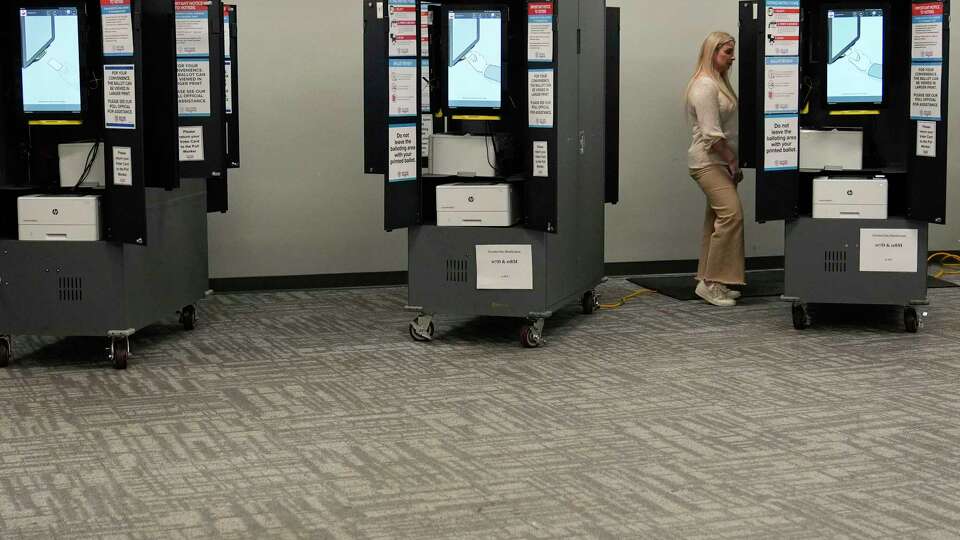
(228, 84)
(403, 27)
(926, 70)
(193, 58)
(926, 80)
(226, 31)
(927, 32)
(781, 142)
(426, 19)
(782, 34)
(120, 97)
(191, 143)
(193, 28)
(781, 85)
(122, 166)
(540, 94)
(117, 21)
(426, 132)
(403, 87)
(541, 159)
(404, 154)
(193, 85)
(540, 32)
(927, 139)
(782, 90)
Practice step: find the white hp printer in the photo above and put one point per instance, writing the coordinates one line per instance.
(59, 217)
(849, 198)
(477, 204)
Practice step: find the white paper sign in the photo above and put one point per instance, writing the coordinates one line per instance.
(193, 28)
(403, 28)
(781, 137)
(191, 143)
(540, 91)
(193, 85)
(889, 250)
(541, 159)
(782, 85)
(927, 31)
(404, 155)
(228, 84)
(426, 131)
(782, 34)
(226, 32)
(505, 267)
(425, 21)
(927, 139)
(403, 88)
(119, 97)
(925, 89)
(540, 32)
(122, 166)
(117, 21)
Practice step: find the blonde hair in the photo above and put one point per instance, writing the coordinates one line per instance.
(705, 66)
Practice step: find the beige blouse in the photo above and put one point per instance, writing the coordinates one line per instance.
(712, 116)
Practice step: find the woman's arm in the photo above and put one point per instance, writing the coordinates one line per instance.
(726, 153)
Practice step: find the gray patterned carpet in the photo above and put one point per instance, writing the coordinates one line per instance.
(312, 414)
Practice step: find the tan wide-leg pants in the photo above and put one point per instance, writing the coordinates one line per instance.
(721, 251)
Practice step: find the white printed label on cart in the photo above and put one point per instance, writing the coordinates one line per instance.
(505, 267)
(889, 250)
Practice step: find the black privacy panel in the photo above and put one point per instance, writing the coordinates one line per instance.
(402, 201)
(200, 69)
(375, 36)
(218, 193)
(540, 197)
(124, 110)
(232, 85)
(160, 93)
(750, 36)
(927, 185)
(612, 183)
(777, 187)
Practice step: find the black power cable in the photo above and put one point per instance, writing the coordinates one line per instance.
(88, 166)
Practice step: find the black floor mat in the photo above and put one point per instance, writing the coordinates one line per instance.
(759, 283)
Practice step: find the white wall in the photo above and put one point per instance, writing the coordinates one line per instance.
(301, 204)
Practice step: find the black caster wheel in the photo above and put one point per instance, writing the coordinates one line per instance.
(530, 338)
(801, 319)
(120, 352)
(188, 318)
(422, 336)
(590, 302)
(6, 354)
(910, 320)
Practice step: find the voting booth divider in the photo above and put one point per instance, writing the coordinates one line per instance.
(843, 116)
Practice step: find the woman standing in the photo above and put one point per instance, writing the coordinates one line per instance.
(712, 158)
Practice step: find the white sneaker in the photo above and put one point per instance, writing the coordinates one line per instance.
(728, 292)
(714, 295)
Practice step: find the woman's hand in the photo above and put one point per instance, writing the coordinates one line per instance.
(733, 167)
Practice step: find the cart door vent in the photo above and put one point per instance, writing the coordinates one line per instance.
(71, 289)
(835, 262)
(457, 270)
